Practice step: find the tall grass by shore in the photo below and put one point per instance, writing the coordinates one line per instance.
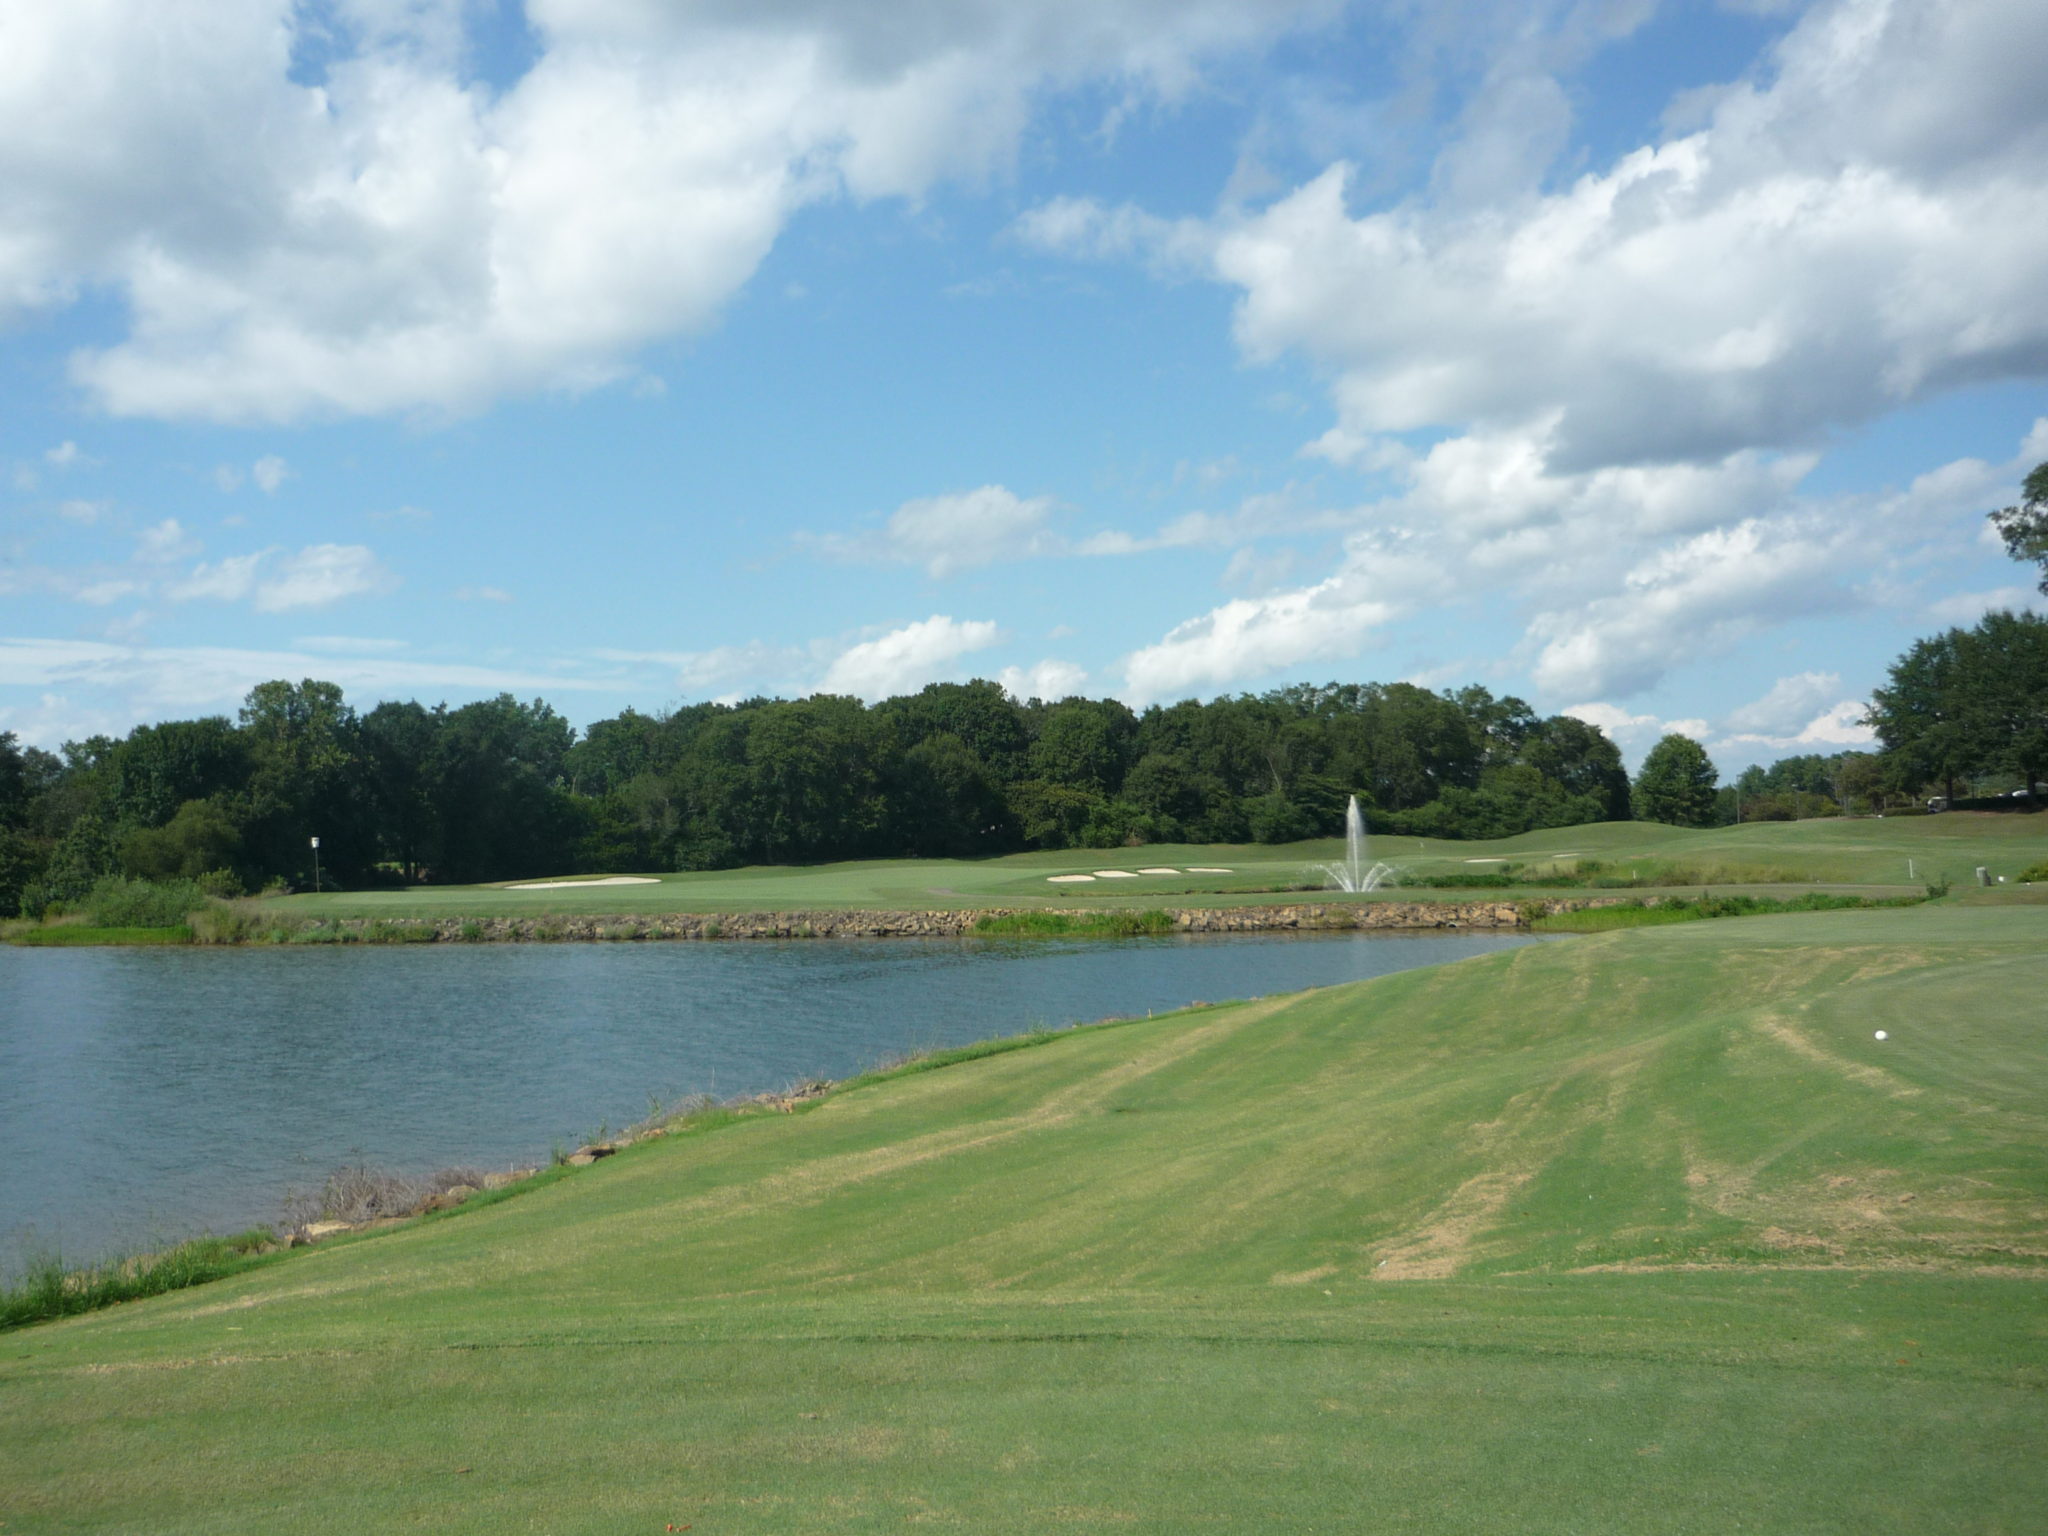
(1075, 925)
(1682, 910)
(48, 1288)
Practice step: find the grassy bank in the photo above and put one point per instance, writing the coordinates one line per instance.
(1679, 909)
(1643, 1232)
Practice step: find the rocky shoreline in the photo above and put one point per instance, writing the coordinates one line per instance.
(1300, 917)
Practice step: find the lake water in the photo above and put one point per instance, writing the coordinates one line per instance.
(151, 1094)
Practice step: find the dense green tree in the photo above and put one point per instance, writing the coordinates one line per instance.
(306, 780)
(1676, 784)
(200, 839)
(979, 714)
(1084, 744)
(159, 768)
(1581, 762)
(2004, 674)
(2024, 527)
(951, 805)
(499, 807)
(1925, 715)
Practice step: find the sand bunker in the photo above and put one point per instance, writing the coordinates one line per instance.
(1486, 861)
(563, 885)
(1159, 871)
(1115, 874)
(1207, 869)
(1071, 879)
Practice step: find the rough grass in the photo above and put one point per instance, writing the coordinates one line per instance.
(1639, 1232)
(48, 1288)
(1075, 925)
(62, 934)
(1683, 910)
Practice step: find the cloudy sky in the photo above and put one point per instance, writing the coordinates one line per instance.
(1656, 360)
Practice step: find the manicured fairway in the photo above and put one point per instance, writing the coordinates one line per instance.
(1896, 854)
(1643, 1232)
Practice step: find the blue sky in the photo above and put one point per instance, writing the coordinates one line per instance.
(1653, 361)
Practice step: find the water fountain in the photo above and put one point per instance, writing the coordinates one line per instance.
(1353, 875)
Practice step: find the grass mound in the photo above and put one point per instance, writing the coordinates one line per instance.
(1645, 1232)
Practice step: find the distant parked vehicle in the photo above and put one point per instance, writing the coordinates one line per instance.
(1938, 803)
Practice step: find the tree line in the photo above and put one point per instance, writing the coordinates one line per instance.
(501, 789)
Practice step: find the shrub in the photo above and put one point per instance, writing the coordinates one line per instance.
(2034, 874)
(219, 923)
(388, 931)
(115, 902)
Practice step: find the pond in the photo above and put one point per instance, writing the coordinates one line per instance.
(152, 1094)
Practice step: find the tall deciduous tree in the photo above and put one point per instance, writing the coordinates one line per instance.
(1677, 783)
(1969, 701)
(2024, 527)
(2005, 660)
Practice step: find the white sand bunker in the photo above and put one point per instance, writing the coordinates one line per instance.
(563, 885)
(1486, 861)
(1207, 869)
(1071, 879)
(1159, 870)
(1115, 874)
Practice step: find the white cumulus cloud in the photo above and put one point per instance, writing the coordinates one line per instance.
(1249, 637)
(904, 660)
(1048, 679)
(1863, 225)
(274, 581)
(398, 237)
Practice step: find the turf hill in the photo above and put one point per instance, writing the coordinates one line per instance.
(1645, 1232)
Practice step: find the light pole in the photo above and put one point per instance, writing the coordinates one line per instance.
(316, 864)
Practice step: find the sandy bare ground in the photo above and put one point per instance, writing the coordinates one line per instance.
(560, 885)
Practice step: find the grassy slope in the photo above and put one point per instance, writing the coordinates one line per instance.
(1861, 852)
(1682, 1249)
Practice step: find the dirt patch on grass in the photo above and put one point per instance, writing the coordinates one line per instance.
(1787, 1034)
(1443, 1242)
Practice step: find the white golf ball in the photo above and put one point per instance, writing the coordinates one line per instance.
(1880, 1034)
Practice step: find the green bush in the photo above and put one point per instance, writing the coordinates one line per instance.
(115, 902)
(2034, 874)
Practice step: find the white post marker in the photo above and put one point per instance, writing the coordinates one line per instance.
(316, 864)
